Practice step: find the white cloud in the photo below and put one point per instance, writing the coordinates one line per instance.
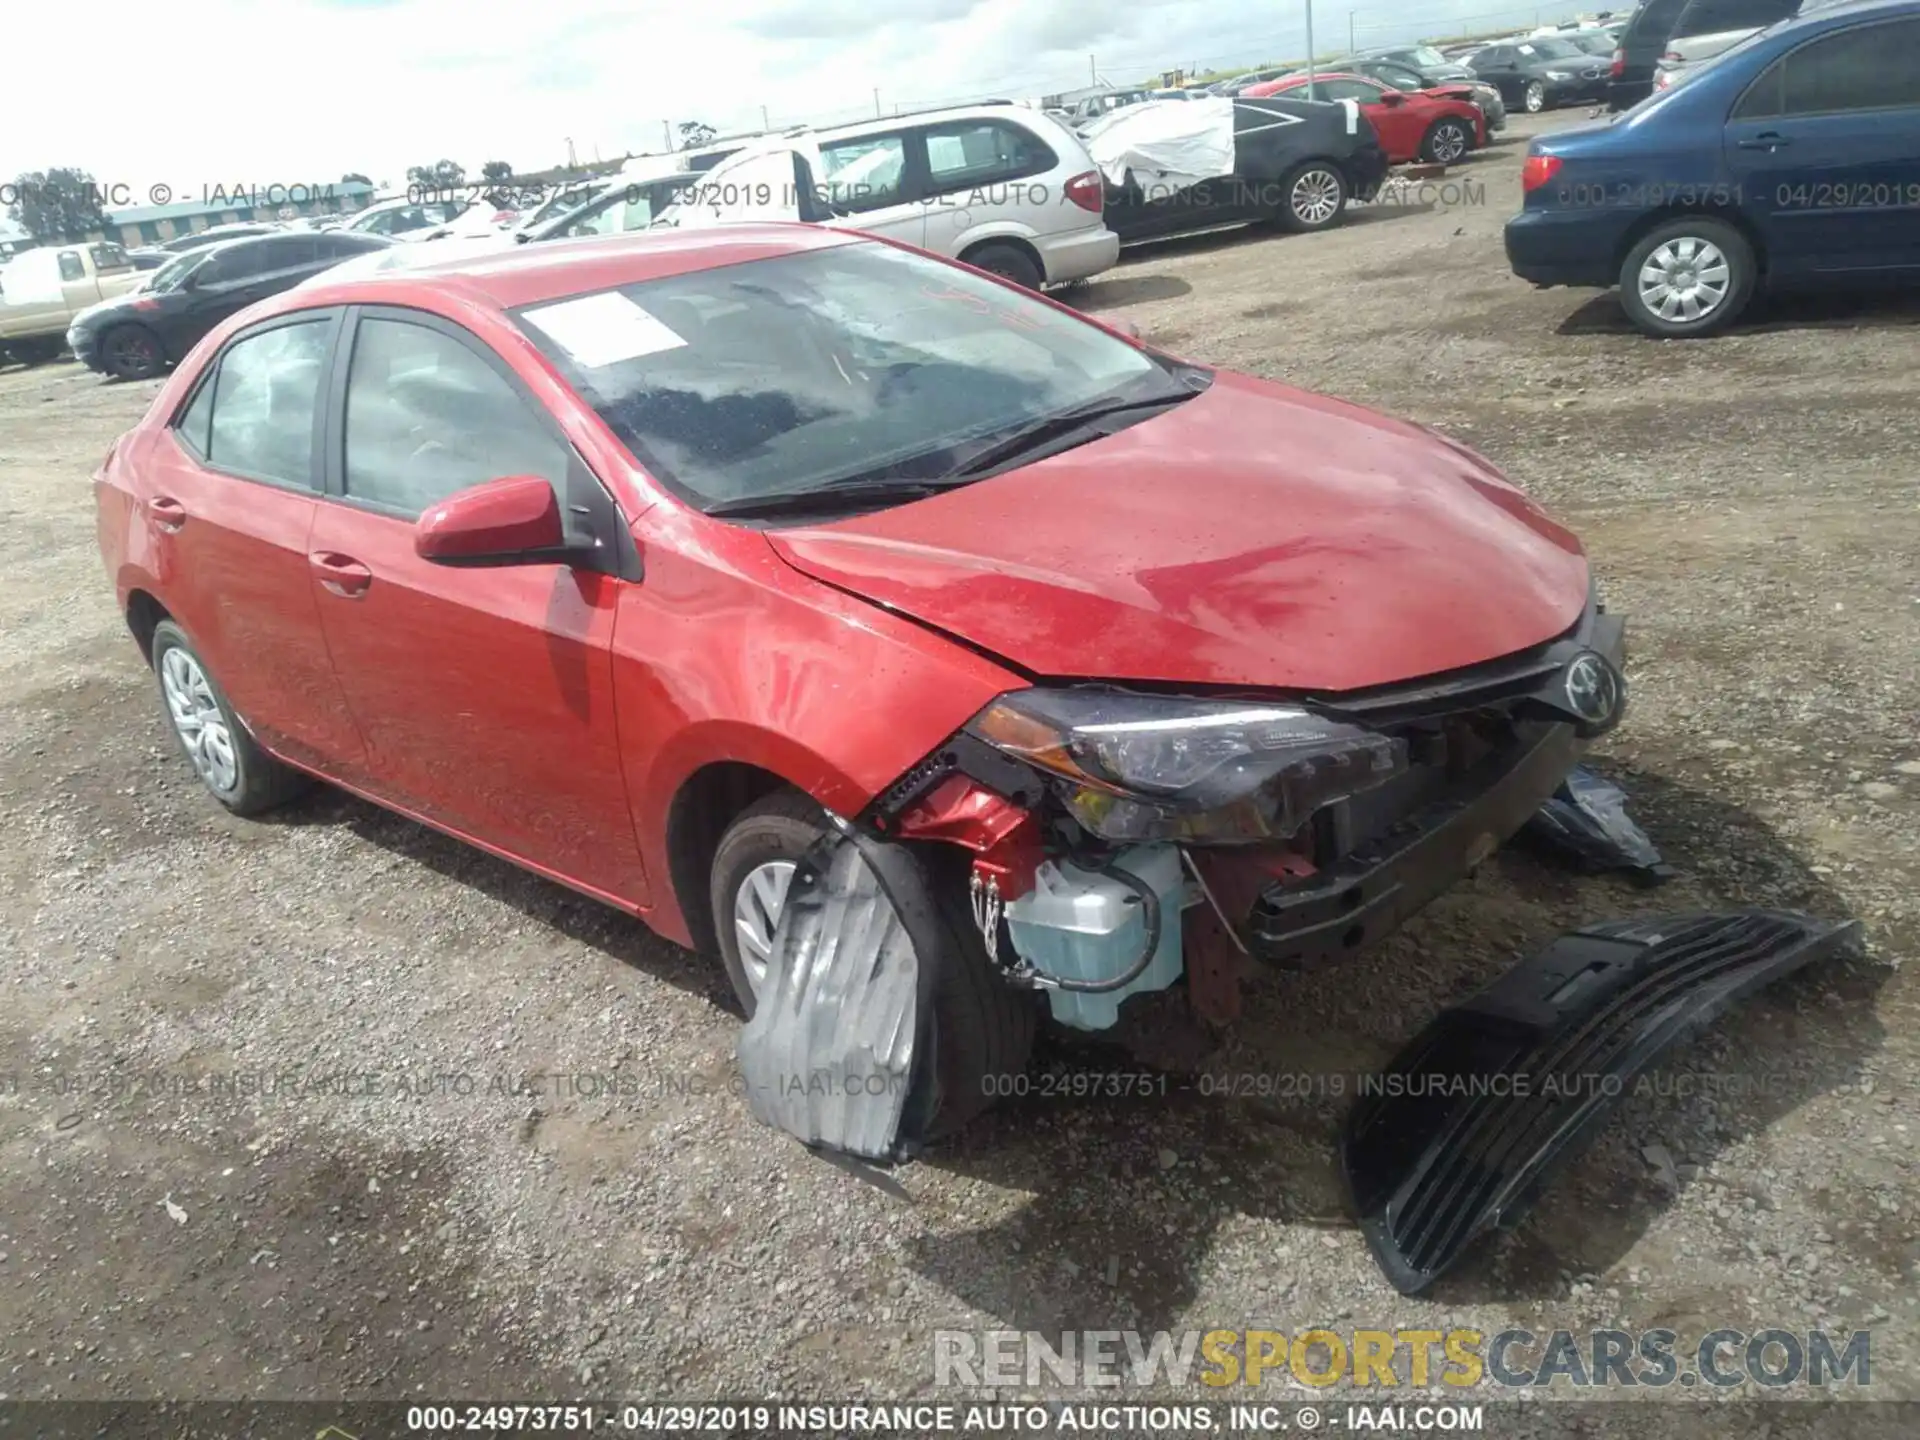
(201, 92)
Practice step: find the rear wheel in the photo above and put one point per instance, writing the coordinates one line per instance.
(132, 352)
(1535, 98)
(1009, 262)
(1447, 141)
(1312, 196)
(983, 1027)
(1688, 277)
(241, 775)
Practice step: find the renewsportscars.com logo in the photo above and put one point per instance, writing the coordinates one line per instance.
(1511, 1359)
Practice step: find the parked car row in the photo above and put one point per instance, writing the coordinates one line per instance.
(1791, 159)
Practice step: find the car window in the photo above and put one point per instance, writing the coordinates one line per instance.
(863, 174)
(1493, 55)
(264, 397)
(1359, 90)
(196, 425)
(982, 152)
(1711, 17)
(1398, 78)
(426, 416)
(1867, 67)
(791, 373)
(108, 256)
(229, 266)
(70, 266)
(288, 252)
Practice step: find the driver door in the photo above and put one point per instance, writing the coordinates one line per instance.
(484, 694)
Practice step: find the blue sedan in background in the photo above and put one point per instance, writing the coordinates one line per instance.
(1793, 159)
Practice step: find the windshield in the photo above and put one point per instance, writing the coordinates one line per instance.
(1553, 50)
(1427, 55)
(169, 275)
(805, 371)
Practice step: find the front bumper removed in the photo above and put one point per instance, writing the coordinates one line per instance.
(1458, 1135)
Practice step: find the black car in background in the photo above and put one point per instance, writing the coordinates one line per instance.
(137, 335)
(217, 235)
(1658, 24)
(1424, 59)
(1296, 165)
(1541, 72)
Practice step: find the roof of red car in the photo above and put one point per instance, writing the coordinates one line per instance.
(553, 270)
(1294, 82)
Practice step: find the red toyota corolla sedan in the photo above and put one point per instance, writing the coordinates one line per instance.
(1412, 124)
(633, 561)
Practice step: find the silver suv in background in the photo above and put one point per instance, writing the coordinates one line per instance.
(1005, 187)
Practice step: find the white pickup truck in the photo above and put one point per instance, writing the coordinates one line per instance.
(42, 290)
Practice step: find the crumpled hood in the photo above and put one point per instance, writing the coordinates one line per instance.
(1256, 535)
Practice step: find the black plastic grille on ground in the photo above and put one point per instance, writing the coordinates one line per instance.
(1460, 1132)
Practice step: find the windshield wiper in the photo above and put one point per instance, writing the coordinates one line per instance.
(1054, 433)
(843, 494)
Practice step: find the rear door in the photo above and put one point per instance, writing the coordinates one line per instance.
(232, 487)
(485, 695)
(1825, 146)
(985, 170)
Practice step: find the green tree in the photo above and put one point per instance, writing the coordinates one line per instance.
(57, 204)
(354, 177)
(498, 174)
(694, 133)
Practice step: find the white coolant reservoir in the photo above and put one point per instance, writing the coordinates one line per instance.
(1082, 925)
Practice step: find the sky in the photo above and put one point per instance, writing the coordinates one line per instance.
(264, 92)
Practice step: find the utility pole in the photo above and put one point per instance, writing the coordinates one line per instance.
(1309, 47)
(1351, 47)
(1093, 71)
(666, 129)
(876, 102)
(765, 123)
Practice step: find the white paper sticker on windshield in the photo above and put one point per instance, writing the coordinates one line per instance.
(1526, 49)
(604, 329)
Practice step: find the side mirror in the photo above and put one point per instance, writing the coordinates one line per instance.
(512, 521)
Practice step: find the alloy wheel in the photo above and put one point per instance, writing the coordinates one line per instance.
(1316, 197)
(198, 720)
(1449, 144)
(1685, 280)
(1536, 98)
(757, 907)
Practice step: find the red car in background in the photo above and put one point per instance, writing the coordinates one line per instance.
(1412, 124)
(646, 562)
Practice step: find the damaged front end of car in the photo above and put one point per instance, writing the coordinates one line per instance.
(1123, 839)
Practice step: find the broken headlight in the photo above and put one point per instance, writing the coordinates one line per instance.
(1142, 767)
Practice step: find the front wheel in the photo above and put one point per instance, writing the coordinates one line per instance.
(131, 352)
(1687, 278)
(1535, 98)
(1447, 142)
(241, 775)
(983, 1028)
(1312, 197)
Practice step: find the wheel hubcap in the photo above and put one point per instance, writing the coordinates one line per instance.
(757, 907)
(197, 720)
(1316, 197)
(1685, 279)
(1449, 144)
(1536, 97)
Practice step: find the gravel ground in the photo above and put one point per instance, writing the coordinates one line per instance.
(174, 1222)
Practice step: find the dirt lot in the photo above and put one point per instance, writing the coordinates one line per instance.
(1751, 505)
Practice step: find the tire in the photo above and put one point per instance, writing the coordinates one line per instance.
(241, 775)
(983, 1027)
(132, 352)
(1534, 98)
(1691, 244)
(1447, 142)
(40, 350)
(1009, 262)
(1300, 211)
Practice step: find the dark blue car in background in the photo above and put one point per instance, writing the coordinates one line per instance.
(1791, 160)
